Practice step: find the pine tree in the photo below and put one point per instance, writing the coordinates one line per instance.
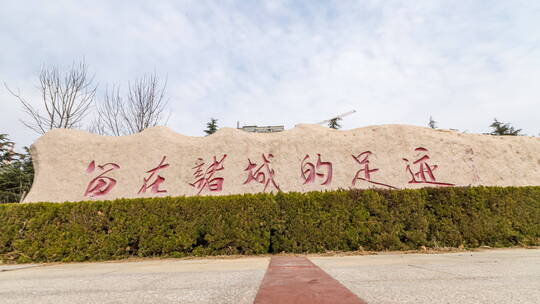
(16, 172)
(6, 149)
(501, 128)
(211, 127)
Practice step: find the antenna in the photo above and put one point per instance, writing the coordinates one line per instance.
(337, 117)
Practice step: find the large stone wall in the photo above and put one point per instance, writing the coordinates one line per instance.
(74, 165)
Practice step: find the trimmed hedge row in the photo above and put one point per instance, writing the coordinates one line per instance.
(267, 223)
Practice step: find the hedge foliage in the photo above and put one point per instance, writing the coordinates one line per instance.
(268, 223)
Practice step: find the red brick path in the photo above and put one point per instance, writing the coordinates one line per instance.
(297, 280)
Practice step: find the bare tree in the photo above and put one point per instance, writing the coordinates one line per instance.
(66, 96)
(110, 119)
(145, 103)
(143, 107)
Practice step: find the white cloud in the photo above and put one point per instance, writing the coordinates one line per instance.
(284, 62)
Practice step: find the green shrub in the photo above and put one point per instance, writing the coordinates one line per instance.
(267, 223)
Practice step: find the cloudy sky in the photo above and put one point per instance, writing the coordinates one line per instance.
(289, 62)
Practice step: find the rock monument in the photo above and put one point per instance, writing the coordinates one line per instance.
(73, 165)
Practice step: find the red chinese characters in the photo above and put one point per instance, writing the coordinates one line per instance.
(310, 171)
(205, 178)
(424, 174)
(101, 184)
(209, 176)
(365, 172)
(262, 174)
(152, 182)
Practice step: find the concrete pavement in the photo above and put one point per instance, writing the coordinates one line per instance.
(502, 275)
(151, 281)
(491, 276)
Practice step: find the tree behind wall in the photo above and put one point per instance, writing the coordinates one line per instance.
(143, 107)
(109, 120)
(16, 172)
(501, 128)
(146, 103)
(211, 126)
(65, 96)
(6, 149)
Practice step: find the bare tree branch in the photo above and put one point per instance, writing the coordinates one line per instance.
(66, 97)
(143, 107)
(109, 120)
(145, 103)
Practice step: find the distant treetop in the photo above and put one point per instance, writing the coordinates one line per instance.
(211, 126)
(501, 128)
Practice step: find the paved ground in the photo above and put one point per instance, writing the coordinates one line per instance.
(501, 276)
(156, 281)
(494, 276)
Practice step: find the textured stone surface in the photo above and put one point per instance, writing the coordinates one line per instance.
(62, 159)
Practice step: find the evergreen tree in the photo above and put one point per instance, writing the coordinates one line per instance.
(16, 172)
(334, 123)
(6, 149)
(501, 128)
(211, 127)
